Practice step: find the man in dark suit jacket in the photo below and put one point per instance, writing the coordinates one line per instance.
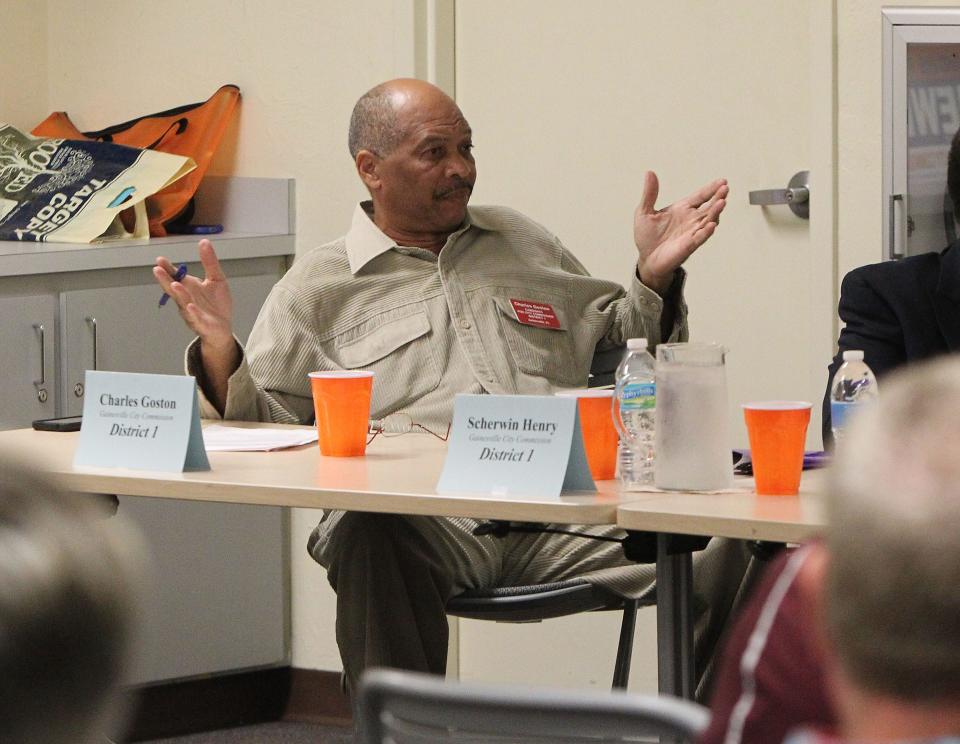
(899, 311)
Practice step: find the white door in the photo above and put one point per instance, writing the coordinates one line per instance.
(921, 115)
(570, 103)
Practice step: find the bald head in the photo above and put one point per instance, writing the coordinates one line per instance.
(379, 123)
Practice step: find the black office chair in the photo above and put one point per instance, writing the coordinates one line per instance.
(603, 367)
(527, 604)
(409, 708)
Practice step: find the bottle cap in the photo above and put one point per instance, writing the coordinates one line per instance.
(853, 355)
(636, 344)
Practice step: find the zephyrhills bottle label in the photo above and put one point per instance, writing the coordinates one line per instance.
(639, 396)
(840, 411)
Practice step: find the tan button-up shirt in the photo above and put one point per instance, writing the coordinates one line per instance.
(433, 326)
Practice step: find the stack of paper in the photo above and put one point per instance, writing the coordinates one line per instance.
(218, 438)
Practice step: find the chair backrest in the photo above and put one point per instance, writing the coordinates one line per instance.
(405, 707)
(534, 602)
(604, 365)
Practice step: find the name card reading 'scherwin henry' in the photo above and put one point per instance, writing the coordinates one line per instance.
(146, 422)
(516, 440)
(524, 445)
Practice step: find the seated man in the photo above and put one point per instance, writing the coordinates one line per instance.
(421, 291)
(66, 589)
(902, 311)
(893, 556)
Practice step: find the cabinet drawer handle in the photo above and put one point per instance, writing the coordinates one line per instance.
(43, 354)
(93, 324)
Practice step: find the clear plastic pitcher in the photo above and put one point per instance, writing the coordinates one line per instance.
(692, 442)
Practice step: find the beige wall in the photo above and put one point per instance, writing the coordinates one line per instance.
(23, 63)
(295, 62)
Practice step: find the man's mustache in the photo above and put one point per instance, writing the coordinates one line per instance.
(457, 184)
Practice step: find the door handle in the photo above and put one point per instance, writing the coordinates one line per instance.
(796, 195)
(895, 251)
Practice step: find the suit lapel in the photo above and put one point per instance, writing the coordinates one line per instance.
(946, 297)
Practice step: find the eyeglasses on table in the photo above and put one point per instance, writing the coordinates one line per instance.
(400, 423)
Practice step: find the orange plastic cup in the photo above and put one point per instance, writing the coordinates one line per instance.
(777, 431)
(596, 425)
(341, 402)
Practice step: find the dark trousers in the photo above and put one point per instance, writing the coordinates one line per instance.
(393, 576)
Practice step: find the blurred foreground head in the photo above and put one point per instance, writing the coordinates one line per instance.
(893, 578)
(67, 576)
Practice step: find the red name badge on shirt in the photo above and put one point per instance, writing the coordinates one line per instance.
(537, 314)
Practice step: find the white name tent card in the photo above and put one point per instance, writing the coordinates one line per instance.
(144, 422)
(505, 445)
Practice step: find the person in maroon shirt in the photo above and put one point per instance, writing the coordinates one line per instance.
(770, 673)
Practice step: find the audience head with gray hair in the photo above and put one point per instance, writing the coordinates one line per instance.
(892, 576)
(67, 578)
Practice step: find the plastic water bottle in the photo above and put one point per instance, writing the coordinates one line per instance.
(634, 414)
(853, 385)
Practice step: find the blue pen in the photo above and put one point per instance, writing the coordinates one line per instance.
(204, 229)
(181, 272)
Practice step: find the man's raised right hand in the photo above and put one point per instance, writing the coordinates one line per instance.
(206, 306)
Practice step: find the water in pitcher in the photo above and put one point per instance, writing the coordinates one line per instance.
(692, 441)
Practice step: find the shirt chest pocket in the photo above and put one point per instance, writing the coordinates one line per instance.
(400, 353)
(542, 345)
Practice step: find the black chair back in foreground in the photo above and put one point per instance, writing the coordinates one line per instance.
(407, 707)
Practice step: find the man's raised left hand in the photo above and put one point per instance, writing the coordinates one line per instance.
(666, 237)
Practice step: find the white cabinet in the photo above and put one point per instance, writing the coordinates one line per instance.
(27, 338)
(218, 596)
(122, 329)
(217, 599)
